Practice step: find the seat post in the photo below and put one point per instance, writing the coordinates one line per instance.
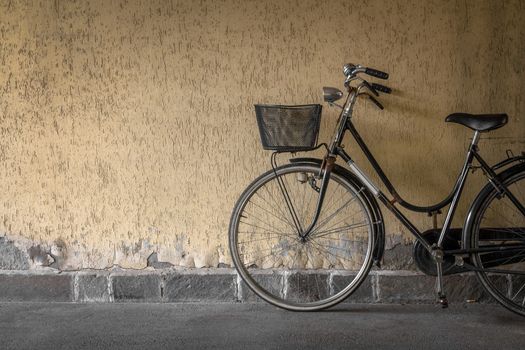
(475, 139)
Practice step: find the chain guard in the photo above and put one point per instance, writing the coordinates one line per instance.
(424, 260)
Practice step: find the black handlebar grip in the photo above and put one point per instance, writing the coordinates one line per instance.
(382, 88)
(376, 73)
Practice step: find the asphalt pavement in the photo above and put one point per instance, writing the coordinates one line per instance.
(257, 326)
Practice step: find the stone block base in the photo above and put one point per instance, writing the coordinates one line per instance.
(224, 285)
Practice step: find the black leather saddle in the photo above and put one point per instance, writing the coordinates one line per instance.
(479, 122)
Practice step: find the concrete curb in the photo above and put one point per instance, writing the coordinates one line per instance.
(217, 285)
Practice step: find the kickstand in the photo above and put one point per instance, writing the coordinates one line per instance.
(438, 256)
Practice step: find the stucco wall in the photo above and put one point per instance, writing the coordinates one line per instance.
(127, 127)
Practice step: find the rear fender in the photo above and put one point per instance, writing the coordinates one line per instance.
(478, 201)
(509, 161)
(379, 226)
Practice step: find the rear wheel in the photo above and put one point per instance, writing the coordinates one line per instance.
(498, 221)
(281, 267)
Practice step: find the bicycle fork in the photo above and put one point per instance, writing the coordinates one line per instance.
(325, 170)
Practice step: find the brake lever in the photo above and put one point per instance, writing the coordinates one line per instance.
(370, 87)
(374, 100)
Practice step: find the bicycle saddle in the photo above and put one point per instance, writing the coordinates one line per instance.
(479, 122)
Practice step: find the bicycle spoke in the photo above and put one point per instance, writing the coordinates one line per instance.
(251, 216)
(327, 209)
(341, 229)
(323, 223)
(344, 240)
(265, 238)
(503, 230)
(504, 217)
(329, 247)
(319, 246)
(278, 206)
(284, 213)
(275, 216)
(253, 225)
(273, 253)
(521, 253)
(348, 217)
(285, 234)
(515, 295)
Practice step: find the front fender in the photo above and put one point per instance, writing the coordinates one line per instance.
(379, 226)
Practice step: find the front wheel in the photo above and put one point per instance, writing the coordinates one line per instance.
(497, 224)
(282, 266)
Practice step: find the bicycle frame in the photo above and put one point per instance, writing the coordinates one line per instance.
(488, 242)
(453, 198)
(335, 149)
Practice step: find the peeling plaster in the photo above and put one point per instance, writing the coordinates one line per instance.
(12, 257)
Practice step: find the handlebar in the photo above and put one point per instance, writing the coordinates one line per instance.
(351, 69)
(376, 73)
(351, 72)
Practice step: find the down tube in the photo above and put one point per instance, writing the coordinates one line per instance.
(373, 188)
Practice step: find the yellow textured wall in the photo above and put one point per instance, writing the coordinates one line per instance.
(127, 127)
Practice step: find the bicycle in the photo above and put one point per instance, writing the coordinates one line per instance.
(303, 245)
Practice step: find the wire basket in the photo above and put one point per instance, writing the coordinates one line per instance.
(288, 128)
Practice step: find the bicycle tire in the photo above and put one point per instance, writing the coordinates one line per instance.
(486, 224)
(302, 276)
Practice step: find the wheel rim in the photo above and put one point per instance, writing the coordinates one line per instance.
(500, 222)
(282, 268)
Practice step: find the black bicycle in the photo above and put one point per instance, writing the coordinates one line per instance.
(304, 236)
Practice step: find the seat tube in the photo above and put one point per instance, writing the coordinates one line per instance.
(457, 195)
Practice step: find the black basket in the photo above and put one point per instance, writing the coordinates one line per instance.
(288, 128)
